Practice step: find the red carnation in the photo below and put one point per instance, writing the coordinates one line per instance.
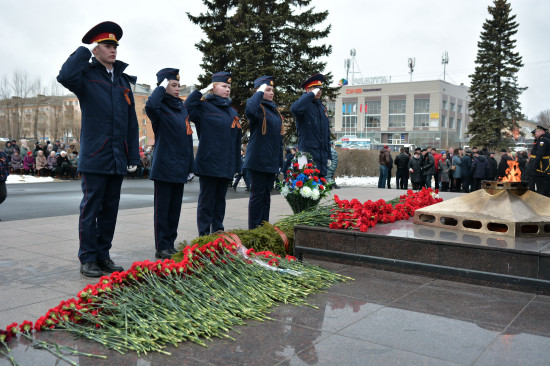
(299, 184)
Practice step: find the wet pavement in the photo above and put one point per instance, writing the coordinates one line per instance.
(381, 318)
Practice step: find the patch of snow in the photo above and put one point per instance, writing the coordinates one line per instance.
(371, 182)
(21, 178)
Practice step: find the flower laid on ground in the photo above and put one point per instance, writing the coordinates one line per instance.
(356, 215)
(303, 188)
(153, 304)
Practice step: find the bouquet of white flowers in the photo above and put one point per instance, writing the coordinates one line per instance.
(303, 188)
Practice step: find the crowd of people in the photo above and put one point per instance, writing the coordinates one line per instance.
(457, 170)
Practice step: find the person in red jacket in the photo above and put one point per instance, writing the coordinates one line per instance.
(437, 175)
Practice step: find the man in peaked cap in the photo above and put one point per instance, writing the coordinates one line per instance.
(109, 140)
(312, 123)
(539, 160)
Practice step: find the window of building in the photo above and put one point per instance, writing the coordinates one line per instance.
(459, 108)
(349, 115)
(144, 122)
(444, 104)
(373, 110)
(397, 112)
(451, 122)
(458, 123)
(421, 113)
(452, 107)
(443, 121)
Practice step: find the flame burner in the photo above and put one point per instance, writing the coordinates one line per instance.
(500, 208)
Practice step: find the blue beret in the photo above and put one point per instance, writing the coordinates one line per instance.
(221, 77)
(107, 32)
(263, 80)
(168, 74)
(315, 80)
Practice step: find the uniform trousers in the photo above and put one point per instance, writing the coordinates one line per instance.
(168, 198)
(542, 184)
(98, 214)
(260, 197)
(211, 205)
(402, 178)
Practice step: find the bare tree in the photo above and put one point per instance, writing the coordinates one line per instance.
(544, 117)
(56, 91)
(39, 98)
(5, 94)
(22, 88)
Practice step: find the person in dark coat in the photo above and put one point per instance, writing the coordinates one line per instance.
(264, 156)
(390, 167)
(444, 169)
(4, 172)
(503, 164)
(415, 168)
(540, 154)
(63, 166)
(466, 169)
(218, 155)
(402, 170)
(428, 167)
(108, 142)
(312, 123)
(480, 170)
(522, 164)
(173, 158)
(493, 166)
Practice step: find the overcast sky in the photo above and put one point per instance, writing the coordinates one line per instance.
(37, 36)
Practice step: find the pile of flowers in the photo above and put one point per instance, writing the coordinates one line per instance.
(303, 188)
(154, 304)
(356, 215)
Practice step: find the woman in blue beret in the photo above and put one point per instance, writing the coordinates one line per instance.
(173, 158)
(264, 156)
(218, 155)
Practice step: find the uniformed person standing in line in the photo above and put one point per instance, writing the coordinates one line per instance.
(108, 143)
(312, 123)
(173, 158)
(540, 154)
(264, 155)
(530, 169)
(218, 155)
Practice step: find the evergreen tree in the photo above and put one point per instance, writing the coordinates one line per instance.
(494, 92)
(251, 38)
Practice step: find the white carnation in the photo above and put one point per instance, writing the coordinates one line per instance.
(315, 194)
(306, 192)
(285, 191)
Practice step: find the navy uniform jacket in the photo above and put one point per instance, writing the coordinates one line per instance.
(264, 152)
(217, 122)
(109, 127)
(173, 158)
(313, 129)
(540, 155)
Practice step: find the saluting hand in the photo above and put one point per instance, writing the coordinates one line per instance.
(205, 90)
(92, 46)
(262, 88)
(164, 83)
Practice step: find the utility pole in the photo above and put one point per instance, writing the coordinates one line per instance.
(411, 66)
(444, 61)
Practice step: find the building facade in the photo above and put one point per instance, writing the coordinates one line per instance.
(424, 113)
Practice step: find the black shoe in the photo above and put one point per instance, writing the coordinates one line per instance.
(164, 254)
(108, 265)
(90, 269)
(234, 188)
(336, 186)
(173, 250)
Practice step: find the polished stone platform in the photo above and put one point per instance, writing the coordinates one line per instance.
(407, 247)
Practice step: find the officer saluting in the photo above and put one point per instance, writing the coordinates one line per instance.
(540, 155)
(108, 143)
(219, 152)
(312, 122)
(264, 156)
(173, 158)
